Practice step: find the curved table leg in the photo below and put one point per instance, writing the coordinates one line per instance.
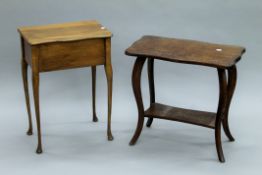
(150, 72)
(136, 83)
(220, 112)
(27, 99)
(35, 79)
(232, 79)
(109, 77)
(95, 119)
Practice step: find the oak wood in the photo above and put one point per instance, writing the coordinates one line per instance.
(232, 80)
(190, 52)
(24, 68)
(35, 83)
(201, 118)
(26, 91)
(64, 32)
(95, 119)
(65, 46)
(186, 51)
(27, 51)
(109, 76)
(136, 84)
(58, 56)
(150, 73)
(222, 105)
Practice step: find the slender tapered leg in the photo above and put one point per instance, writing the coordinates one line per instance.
(136, 83)
(26, 91)
(150, 72)
(109, 76)
(95, 119)
(220, 112)
(35, 80)
(232, 79)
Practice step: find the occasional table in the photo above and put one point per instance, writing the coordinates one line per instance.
(65, 46)
(221, 57)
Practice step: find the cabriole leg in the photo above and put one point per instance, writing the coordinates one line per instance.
(136, 83)
(26, 91)
(150, 72)
(232, 79)
(220, 112)
(35, 80)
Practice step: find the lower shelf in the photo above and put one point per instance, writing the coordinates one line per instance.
(201, 118)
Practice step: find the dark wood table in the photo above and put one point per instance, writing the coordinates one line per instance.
(221, 57)
(65, 46)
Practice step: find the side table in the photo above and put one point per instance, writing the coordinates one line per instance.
(221, 57)
(65, 46)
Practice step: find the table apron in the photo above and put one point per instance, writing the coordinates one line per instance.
(66, 55)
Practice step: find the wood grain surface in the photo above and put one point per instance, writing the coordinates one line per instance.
(202, 118)
(186, 51)
(64, 32)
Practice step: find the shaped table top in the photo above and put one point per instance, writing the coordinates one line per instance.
(186, 51)
(64, 32)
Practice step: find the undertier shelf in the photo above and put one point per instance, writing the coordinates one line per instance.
(201, 118)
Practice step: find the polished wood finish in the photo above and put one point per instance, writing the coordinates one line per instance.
(64, 32)
(65, 46)
(201, 118)
(185, 51)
